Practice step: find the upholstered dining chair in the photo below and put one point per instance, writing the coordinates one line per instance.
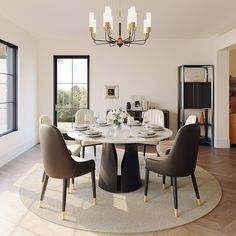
(59, 164)
(164, 147)
(180, 162)
(84, 116)
(72, 146)
(154, 117)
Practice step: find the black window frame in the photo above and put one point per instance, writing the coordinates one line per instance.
(14, 74)
(55, 57)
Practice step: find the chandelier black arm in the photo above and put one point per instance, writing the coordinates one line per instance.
(139, 43)
(109, 39)
(127, 45)
(130, 39)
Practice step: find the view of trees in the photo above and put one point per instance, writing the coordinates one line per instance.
(68, 102)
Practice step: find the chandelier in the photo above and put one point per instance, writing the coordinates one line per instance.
(131, 28)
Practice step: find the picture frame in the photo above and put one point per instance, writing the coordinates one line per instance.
(111, 91)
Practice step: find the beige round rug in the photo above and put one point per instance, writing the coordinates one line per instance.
(121, 212)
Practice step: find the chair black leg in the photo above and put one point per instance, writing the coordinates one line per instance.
(163, 182)
(45, 183)
(144, 149)
(175, 194)
(64, 189)
(146, 184)
(43, 177)
(73, 183)
(171, 184)
(196, 189)
(95, 150)
(83, 151)
(68, 185)
(93, 186)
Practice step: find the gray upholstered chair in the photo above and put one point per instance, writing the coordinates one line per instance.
(72, 146)
(180, 162)
(154, 117)
(80, 119)
(58, 163)
(164, 147)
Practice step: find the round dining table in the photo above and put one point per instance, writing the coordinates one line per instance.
(109, 136)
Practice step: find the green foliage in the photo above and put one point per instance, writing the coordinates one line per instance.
(68, 102)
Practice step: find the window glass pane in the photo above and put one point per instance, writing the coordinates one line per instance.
(79, 96)
(6, 117)
(64, 70)
(64, 95)
(6, 89)
(6, 59)
(80, 71)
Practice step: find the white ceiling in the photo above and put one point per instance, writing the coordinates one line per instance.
(170, 18)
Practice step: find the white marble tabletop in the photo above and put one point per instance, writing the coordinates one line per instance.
(121, 135)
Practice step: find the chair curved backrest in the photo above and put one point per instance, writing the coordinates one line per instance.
(183, 156)
(155, 116)
(80, 116)
(57, 160)
(192, 119)
(45, 120)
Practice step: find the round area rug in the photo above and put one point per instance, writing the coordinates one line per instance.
(121, 212)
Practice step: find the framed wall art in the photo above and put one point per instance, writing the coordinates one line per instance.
(111, 91)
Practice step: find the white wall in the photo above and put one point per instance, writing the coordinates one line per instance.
(232, 63)
(15, 143)
(150, 71)
(218, 50)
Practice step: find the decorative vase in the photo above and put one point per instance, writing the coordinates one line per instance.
(202, 118)
(117, 124)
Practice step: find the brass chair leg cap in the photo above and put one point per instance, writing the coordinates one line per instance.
(163, 186)
(63, 215)
(40, 204)
(199, 202)
(176, 213)
(94, 201)
(145, 199)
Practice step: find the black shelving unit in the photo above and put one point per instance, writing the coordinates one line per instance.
(196, 95)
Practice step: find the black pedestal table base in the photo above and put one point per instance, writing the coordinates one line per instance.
(130, 179)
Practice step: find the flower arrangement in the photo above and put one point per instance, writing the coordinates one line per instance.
(116, 116)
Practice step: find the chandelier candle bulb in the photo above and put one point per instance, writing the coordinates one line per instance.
(91, 18)
(149, 19)
(145, 26)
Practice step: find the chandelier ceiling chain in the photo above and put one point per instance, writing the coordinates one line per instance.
(131, 28)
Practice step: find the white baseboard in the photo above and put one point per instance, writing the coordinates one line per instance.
(13, 153)
(222, 143)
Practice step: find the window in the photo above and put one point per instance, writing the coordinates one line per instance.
(8, 87)
(71, 89)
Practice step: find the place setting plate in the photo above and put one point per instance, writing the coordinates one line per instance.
(147, 134)
(155, 127)
(82, 127)
(92, 133)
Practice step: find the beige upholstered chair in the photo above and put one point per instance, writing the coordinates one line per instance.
(58, 162)
(80, 119)
(71, 144)
(165, 146)
(154, 117)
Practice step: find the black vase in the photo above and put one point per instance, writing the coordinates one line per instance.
(128, 106)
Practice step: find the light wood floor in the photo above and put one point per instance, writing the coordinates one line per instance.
(15, 219)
